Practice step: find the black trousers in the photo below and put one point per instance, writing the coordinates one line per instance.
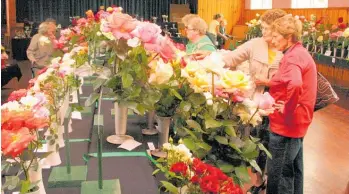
(285, 169)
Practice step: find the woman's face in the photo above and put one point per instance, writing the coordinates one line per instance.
(191, 33)
(279, 41)
(266, 32)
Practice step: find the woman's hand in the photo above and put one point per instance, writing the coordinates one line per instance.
(280, 106)
(261, 82)
(199, 55)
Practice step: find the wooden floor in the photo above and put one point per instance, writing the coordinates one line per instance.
(326, 153)
(326, 146)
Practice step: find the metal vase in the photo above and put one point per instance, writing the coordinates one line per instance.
(120, 136)
(322, 49)
(335, 52)
(164, 130)
(150, 130)
(120, 118)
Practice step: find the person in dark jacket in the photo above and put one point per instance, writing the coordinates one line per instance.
(294, 89)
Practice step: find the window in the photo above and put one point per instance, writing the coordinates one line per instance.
(261, 4)
(309, 3)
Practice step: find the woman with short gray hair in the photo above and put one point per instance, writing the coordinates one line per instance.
(40, 49)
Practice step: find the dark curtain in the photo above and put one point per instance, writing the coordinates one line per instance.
(3, 12)
(39, 10)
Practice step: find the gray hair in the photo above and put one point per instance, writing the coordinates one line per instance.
(44, 27)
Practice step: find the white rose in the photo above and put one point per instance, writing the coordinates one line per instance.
(162, 74)
(209, 97)
(134, 42)
(11, 106)
(29, 101)
(99, 33)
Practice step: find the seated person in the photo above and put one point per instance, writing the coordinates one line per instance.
(195, 29)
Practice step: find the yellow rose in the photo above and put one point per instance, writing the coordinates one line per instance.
(346, 33)
(190, 69)
(200, 82)
(232, 80)
(320, 38)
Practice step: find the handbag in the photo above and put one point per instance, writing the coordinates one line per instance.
(325, 93)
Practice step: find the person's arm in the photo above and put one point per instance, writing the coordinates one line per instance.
(292, 76)
(33, 47)
(239, 55)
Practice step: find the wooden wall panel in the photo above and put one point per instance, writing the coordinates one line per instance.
(231, 9)
(336, 76)
(332, 14)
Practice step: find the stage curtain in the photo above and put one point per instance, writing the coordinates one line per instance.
(331, 14)
(39, 10)
(230, 9)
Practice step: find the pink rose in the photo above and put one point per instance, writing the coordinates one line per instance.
(167, 49)
(147, 32)
(264, 101)
(81, 22)
(121, 25)
(238, 96)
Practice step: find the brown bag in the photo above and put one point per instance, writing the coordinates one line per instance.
(325, 93)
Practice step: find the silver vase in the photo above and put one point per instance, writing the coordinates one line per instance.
(334, 52)
(120, 136)
(164, 130)
(150, 130)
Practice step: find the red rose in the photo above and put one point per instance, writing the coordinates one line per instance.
(230, 188)
(183, 63)
(209, 184)
(340, 20)
(17, 95)
(199, 167)
(179, 167)
(195, 179)
(342, 26)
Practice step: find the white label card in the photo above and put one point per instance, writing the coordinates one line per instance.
(328, 53)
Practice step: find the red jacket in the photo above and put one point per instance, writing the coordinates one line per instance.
(295, 83)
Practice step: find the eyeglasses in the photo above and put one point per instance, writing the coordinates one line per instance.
(187, 28)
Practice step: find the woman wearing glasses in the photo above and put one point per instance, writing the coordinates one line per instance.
(195, 29)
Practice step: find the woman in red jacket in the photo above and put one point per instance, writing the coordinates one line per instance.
(294, 89)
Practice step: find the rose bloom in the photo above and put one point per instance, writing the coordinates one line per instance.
(121, 25)
(14, 142)
(17, 95)
(179, 168)
(232, 80)
(264, 101)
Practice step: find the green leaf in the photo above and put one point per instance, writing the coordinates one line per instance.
(249, 147)
(230, 131)
(44, 155)
(170, 187)
(185, 106)
(140, 109)
(127, 80)
(193, 124)
(156, 171)
(189, 143)
(191, 133)
(197, 99)
(51, 142)
(221, 140)
(91, 99)
(242, 173)
(255, 140)
(235, 147)
(204, 146)
(211, 123)
(261, 147)
(98, 83)
(255, 166)
(225, 167)
(175, 93)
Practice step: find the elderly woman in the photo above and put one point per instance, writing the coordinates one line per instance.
(294, 89)
(41, 46)
(195, 29)
(260, 60)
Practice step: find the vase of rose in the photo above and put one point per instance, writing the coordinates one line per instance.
(20, 142)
